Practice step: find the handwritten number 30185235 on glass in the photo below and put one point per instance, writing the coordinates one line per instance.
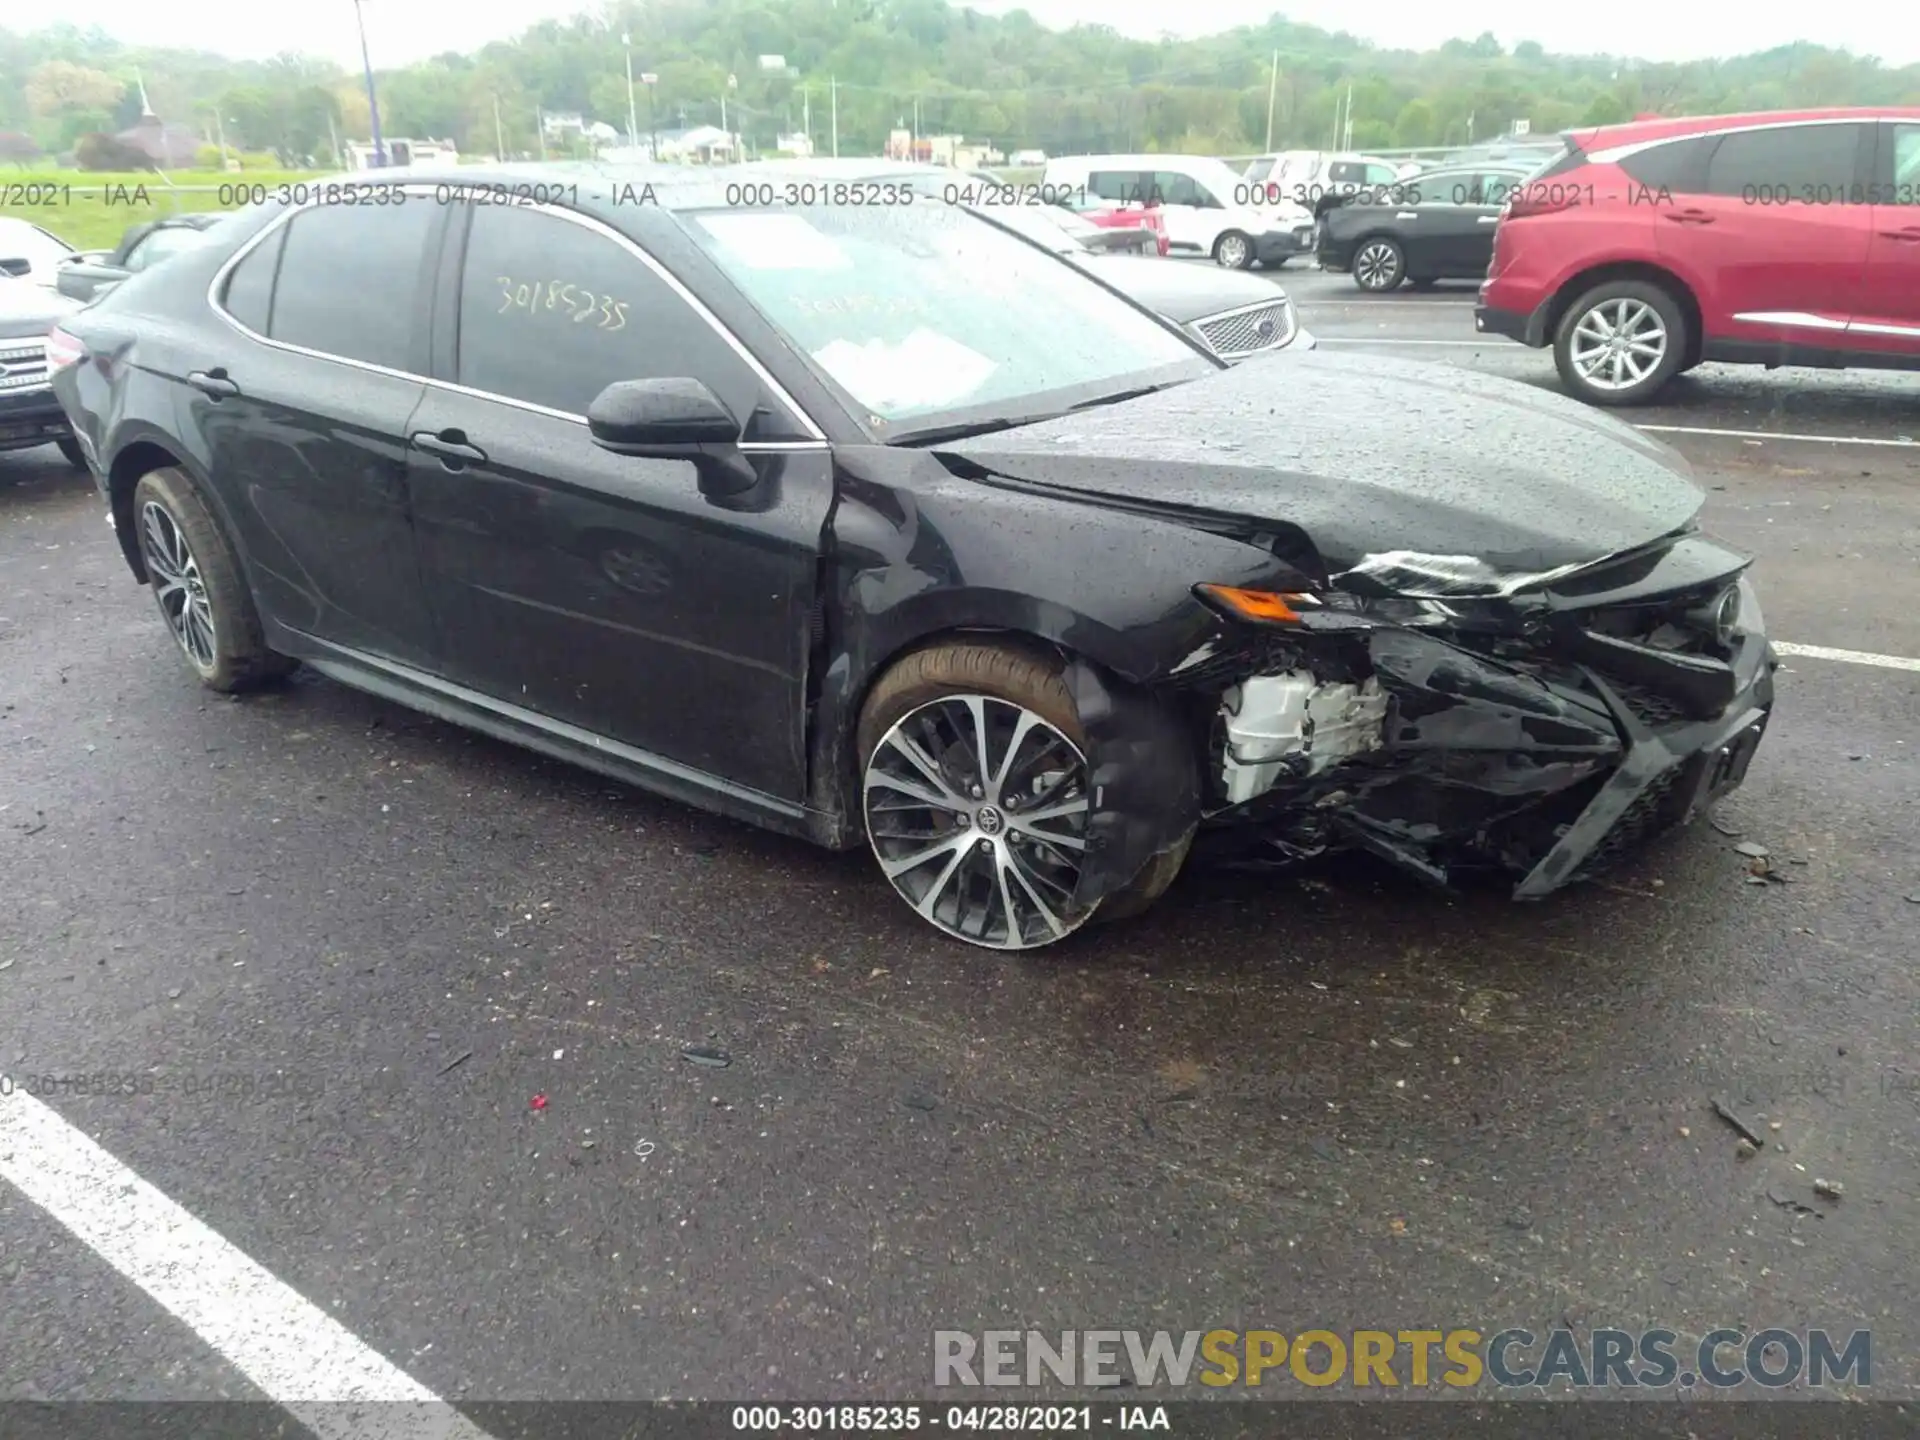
(577, 302)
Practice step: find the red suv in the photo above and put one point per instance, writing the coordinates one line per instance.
(1790, 238)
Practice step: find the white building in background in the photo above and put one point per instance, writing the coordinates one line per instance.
(696, 145)
(798, 146)
(1028, 158)
(559, 124)
(402, 152)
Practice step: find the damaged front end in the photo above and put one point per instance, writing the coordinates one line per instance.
(1448, 717)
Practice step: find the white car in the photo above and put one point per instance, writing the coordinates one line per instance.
(29, 253)
(1321, 179)
(1206, 208)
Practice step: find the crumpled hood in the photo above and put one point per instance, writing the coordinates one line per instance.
(1368, 457)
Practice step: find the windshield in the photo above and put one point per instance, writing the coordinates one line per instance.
(928, 311)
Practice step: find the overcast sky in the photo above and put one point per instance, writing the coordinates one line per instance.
(401, 31)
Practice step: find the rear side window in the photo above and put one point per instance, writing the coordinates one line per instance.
(1346, 172)
(1259, 170)
(249, 294)
(1905, 148)
(351, 277)
(1816, 164)
(1679, 166)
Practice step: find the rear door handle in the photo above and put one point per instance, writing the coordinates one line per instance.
(1689, 217)
(1489, 219)
(1911, 234)
(213, 383)
(1408, 215)
(451, 446)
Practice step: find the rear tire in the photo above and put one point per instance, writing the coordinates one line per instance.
(1233, 251)
(197, 583)
(1620, 343)
(1379, 265)
(998, 802)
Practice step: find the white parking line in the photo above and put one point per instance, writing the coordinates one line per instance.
(296, 1353)
(1898, 444)
(1848, 657)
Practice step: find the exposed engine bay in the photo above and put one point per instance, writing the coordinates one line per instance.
(1541, 725)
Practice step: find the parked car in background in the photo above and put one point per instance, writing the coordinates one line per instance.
(1112, 219)
(87, 275)
(1207, 208)
(30, 416)
(1236, 316)
(1317, 180)
(1522, 152)
(1435, 226)
(878, 525)
(1786, 238)
(29, 252)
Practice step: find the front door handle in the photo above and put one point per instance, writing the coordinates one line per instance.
(213, 383)
(1911, 234)
(1689, 217)
(1489, 219)
(451, 446)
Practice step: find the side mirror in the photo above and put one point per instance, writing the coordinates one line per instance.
(652, 417)
(15, 266)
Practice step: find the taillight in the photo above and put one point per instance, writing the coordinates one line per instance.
(63, 350)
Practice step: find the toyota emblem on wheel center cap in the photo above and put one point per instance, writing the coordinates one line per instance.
(989, 820)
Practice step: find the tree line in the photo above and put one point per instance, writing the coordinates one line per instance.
(876, 65)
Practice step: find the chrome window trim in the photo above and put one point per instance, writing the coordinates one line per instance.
(816, 437)
(1621, 152)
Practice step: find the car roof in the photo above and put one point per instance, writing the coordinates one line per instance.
(1135, 162)
(1635, 132)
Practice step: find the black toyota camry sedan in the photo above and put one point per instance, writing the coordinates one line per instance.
(863, 517)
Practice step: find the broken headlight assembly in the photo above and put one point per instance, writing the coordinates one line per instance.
(1326, 609)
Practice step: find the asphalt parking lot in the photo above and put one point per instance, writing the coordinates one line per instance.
(351, 945)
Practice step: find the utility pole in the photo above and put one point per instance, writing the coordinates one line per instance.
(633, 120)
(653, 125)
(499, 135)
(540, 129)
(1273, 88)
(833, 100)
(333, 139)
(1346, 136)
(806, 117)
(913, 138)
(373, 101)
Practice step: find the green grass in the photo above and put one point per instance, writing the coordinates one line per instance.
(92, 211)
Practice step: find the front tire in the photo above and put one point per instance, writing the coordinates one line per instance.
(71, 452)
(1620, 343)
(196, 581)
(976, 795)
(1233, 251)
(1379, 265)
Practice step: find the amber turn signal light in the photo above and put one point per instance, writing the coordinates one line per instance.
(1266, 606)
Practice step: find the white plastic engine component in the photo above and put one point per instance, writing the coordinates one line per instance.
(1271, 719)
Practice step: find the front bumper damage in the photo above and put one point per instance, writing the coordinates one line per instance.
(1547, 759)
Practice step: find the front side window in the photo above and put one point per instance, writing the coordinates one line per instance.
(552, 312)
(929, 310)
(1813, 164)
(1171, 187)
(351, 278)
(1122, 187)
(1445, 187)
